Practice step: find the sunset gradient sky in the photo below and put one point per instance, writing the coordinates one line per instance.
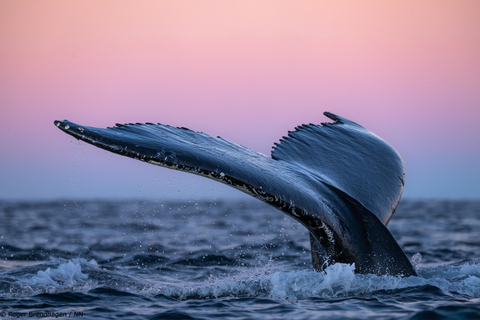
(248, 71)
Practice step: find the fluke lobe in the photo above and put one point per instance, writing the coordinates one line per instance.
(339, 180)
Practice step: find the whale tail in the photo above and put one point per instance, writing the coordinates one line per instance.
(338, 179)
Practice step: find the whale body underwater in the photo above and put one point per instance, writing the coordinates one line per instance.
(339, 180)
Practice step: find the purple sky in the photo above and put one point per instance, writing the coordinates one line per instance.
(248, 71)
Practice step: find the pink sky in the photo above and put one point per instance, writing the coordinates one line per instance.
(248, 71)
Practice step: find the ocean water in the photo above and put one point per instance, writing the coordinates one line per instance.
(224, 260)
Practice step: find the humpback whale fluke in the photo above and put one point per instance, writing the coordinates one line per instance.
(338, 179)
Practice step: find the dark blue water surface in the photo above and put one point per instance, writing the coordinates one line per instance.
(200, 260)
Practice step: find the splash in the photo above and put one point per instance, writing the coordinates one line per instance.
(62, 276)
(66, 274)
(338, 280)
(416, 259)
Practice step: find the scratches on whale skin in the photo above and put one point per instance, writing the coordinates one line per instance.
(327, 231)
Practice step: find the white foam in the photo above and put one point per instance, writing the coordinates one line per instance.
(416, 260)
(464, 279)
(66, 274)
(338, 280)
